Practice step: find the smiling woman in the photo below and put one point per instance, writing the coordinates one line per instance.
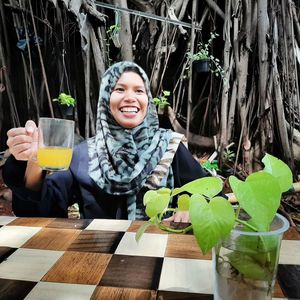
(111, 171)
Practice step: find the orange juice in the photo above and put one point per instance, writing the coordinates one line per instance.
(54, 158)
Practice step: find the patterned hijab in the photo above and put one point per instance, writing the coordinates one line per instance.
(121, 159)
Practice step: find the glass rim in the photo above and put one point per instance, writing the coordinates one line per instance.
(57, 119)
(285, 226)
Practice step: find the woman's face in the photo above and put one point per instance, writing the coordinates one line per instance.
(129, 101)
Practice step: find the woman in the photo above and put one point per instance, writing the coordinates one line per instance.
(110, 172)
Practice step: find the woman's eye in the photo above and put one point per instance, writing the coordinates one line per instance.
(140, 91)
(119, 89)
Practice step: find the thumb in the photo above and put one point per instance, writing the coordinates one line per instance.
(30, 127)
(35, 135)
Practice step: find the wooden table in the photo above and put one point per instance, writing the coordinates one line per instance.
(43, 258)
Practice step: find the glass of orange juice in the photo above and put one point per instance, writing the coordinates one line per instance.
(55, 144)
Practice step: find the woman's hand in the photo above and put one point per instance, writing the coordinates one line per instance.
(23, 145)
(180, 216)
(23, 141)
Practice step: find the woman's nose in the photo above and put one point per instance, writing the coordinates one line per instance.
(130, 95)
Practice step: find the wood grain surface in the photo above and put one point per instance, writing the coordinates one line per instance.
(15, 289)
(139, 272)
(78, 267)
(35, 222)
(105, 293)
(184, 246)
(97, 241)
(52, 239)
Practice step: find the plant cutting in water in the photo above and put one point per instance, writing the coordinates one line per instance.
(213, 217)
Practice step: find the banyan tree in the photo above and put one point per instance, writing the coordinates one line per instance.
(251, 107)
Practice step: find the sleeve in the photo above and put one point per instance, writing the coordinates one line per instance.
(185, 167)
(53, 199)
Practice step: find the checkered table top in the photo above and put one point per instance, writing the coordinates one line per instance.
(44, 258)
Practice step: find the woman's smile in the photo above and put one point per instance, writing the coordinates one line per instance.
(129, 111)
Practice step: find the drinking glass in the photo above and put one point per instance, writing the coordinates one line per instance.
(245, 263)
(55, 144)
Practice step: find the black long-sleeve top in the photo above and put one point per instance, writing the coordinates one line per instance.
(62, 189)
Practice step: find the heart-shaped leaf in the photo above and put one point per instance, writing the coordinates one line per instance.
(163, 191)
(279, 170)
(208, 186)
(259, 196)
(156, 202)
(149, 195)
(183, 202)
(211, 221)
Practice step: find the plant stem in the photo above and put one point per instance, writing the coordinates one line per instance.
(260, 237)
(166, 228)
(237, 212)
(246, 224)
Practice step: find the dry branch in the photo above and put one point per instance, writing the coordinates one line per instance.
(213, 5)
(90, 9)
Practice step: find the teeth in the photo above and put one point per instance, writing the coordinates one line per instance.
(129, 109)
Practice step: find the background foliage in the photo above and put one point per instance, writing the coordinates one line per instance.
(54, 46)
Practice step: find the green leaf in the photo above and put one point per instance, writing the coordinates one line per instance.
(211, 221)
(248, 266)
(149, 195)
(142, 229)
(163, 191)
(259, 196)
(208, 186)
(156, 100)
(157, 202)
(279, 170)
(183, 202)
(211, 165)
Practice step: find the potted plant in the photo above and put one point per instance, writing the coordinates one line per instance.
(66, 104)
(162, 101)
(203, 61)
(246, 239)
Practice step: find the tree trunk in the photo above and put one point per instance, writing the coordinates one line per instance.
(125, 32)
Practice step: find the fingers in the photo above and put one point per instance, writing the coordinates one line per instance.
(21, 153)
(21, 140)
(31, 130)
(16, 131)
(180, 216)
(170, 219)
(30, 127)
(20, 146)
(17, 136)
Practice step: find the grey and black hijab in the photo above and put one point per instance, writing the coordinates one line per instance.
(120, 159)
